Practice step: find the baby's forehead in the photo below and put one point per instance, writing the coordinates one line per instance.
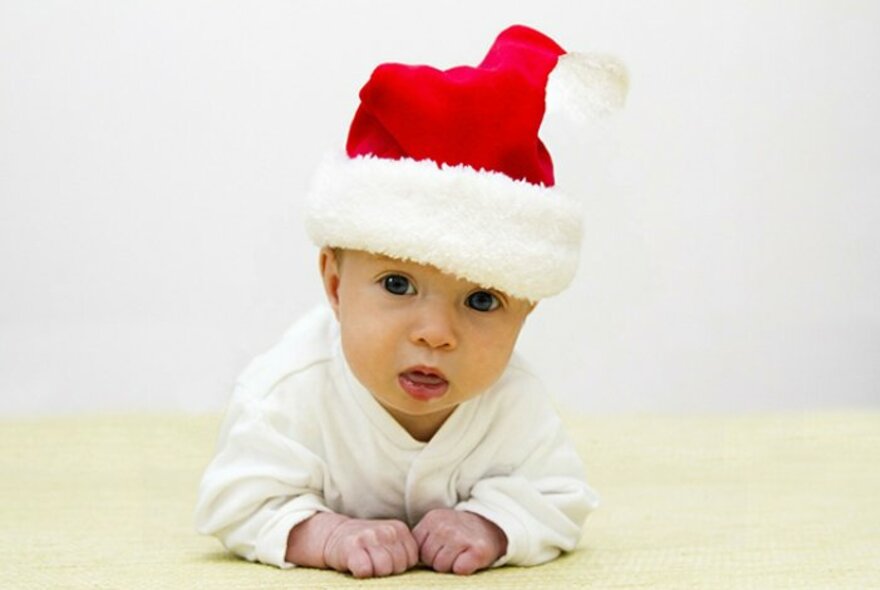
(378, 259)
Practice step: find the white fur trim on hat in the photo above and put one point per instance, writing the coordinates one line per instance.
(520, 238)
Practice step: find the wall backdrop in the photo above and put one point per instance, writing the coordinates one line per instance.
(153, 156)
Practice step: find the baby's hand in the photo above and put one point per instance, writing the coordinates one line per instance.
(369, 548)
(461, 542)
(363, 547)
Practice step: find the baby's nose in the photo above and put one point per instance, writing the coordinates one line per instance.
(435, 326)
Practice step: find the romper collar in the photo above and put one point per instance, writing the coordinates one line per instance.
(449, 433)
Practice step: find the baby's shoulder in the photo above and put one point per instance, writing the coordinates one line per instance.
(280, 390)
(300, 357)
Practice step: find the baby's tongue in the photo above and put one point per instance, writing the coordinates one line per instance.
(424, 378)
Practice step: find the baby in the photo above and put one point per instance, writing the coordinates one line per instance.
(396, 426)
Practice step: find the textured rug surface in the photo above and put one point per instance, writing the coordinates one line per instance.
(766, 501)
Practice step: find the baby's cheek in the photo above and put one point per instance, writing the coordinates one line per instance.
(361, 354)
(487, 366)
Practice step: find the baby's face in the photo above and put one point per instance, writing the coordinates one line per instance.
(420, 340)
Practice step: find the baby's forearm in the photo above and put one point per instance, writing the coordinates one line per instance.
(306, 541)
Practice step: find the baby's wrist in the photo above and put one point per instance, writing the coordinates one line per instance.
(307, 541)
(495, 533)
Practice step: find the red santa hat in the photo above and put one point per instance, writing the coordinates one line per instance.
(445, 167)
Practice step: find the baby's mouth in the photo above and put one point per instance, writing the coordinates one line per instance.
(423, 383)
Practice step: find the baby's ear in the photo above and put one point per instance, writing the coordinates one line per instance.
(329, 267)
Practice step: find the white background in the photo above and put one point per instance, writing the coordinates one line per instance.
(153, 156)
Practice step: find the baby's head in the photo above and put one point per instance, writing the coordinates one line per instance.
(440, 226)
(420, 340)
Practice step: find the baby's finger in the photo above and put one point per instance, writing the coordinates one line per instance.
(383, 563)
(446, 557)
(399, 558)
(359, 564)
(467, 563)
(403, 546)
(411, 549)
(428, 550)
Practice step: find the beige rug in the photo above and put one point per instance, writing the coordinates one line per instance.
(768, 501)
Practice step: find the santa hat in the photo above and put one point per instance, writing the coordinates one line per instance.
(445, 167)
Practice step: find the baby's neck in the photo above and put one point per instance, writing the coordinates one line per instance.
(421, 428)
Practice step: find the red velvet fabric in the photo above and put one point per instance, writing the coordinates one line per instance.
(486, 116)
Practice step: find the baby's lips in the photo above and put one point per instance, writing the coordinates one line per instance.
(425, 376)
(423, 386)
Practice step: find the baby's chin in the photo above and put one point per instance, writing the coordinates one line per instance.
(405, 404)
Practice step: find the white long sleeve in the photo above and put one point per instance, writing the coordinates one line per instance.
(541, 507)
(265, 478)
(535, 490)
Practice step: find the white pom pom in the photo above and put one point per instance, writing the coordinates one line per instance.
(585, 86)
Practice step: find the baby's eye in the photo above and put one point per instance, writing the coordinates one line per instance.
(397, 284)
(483, 301)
